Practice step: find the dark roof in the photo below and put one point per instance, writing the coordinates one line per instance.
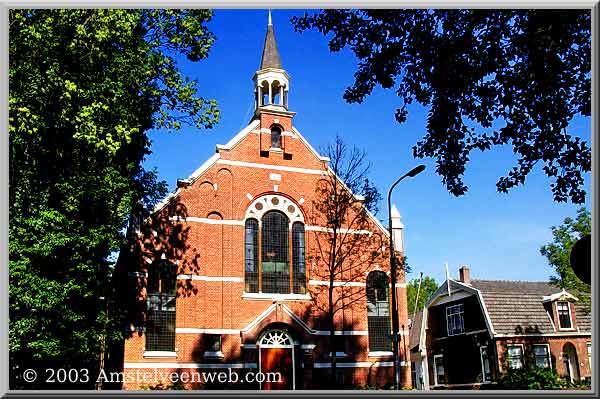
(415, 331)
(516, 307)
(270, 55)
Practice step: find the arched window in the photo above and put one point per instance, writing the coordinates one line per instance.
(275, 137)
(275, 253)
(298, 258)
(378, 312)
(160, 322)
(251, 245)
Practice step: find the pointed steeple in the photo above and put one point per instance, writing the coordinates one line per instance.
(270, 55)
(271, 81)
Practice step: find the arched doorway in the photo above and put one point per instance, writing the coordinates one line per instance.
(276, 355)
(570, 362)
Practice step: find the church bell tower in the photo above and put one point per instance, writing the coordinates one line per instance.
(271, 81)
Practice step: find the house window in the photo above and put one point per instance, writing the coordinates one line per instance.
(275, 253)
(455, 320)
(275, 137)
(564, 315)
(439, 375)
(251, 247)
(542, 356)
(589, 351)
(514, 355)
(298, 258)
(161, 300)
(378, 312)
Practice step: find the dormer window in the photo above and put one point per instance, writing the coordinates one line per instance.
(275, 137)
(564, 315)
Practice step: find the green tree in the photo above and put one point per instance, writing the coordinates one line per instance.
(428, 287)
(488, 78)
(85, 88)
(558, 253)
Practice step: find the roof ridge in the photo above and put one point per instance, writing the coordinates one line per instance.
(515, 281)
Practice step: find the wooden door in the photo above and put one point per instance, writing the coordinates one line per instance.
(277, 360)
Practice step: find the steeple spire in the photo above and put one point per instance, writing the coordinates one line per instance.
(270, 55)
(271, 81)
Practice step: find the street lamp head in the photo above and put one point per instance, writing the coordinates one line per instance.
(415, 171)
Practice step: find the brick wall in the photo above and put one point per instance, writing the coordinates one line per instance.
(557, 345)
(208, 241)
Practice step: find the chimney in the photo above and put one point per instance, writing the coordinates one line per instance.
(465, 274)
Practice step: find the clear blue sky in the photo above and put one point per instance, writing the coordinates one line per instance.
(497, 235)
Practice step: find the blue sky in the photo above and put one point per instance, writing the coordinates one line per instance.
(497, 235)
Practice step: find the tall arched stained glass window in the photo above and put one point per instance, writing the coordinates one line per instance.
(298, 258)
(378, 312)
(161, 300)
(275, 253)
(251, 256)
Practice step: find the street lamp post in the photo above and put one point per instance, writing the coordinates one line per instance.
(412, 173)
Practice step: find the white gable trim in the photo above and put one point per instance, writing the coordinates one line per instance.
(193, 177)
(208, 163)
(259, 318)
(454, 297)
(238, 137)
(442, 289)
(488, 319)
(562, 296)
(307, 144)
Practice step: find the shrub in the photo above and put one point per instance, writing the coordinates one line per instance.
(532, 378)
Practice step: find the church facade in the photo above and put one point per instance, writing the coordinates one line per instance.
(229, 273)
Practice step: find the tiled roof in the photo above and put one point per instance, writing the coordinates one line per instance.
(516, 307)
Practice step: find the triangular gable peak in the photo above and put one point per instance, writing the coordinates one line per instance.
(560, 296)
(269, 141)
(458, 290)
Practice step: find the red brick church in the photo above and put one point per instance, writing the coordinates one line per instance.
(226, 276)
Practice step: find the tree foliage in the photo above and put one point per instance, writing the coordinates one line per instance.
(488, 77)
(558, 253)
(85, 87)
(428, 287)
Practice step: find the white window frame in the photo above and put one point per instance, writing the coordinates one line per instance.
(548, 354)
(481, 350)
(461, 313)
(435, 374)
(522, 355)
(589, 354)
(560, 327)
